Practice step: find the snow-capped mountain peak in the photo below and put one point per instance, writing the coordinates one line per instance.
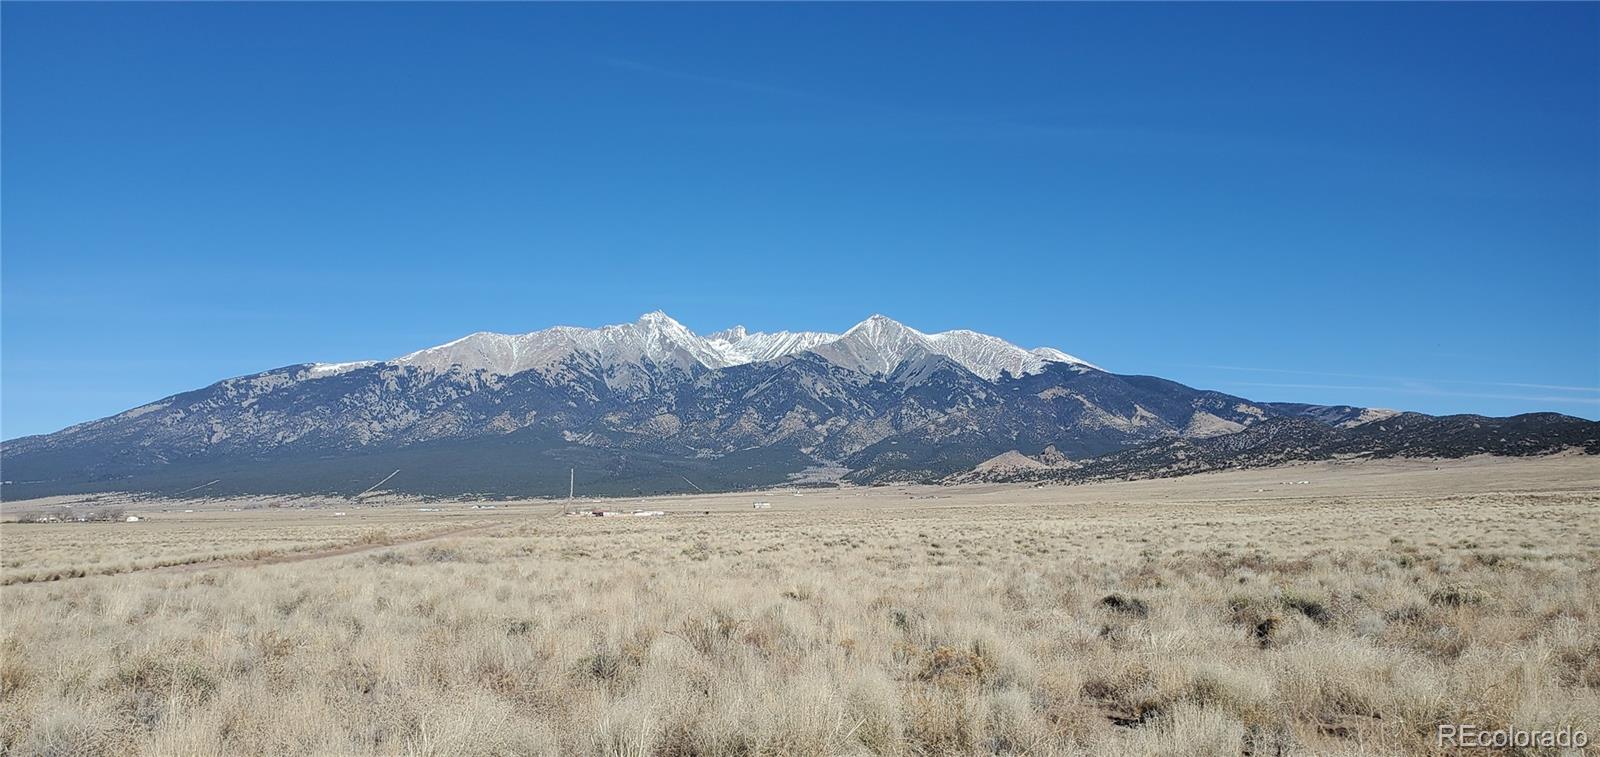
(877, 345)
(482, 350)
(880, 326)
(739, 346)
(661, 339)
(880, 344)
(730, 336)
(1053, 355)
(655, 337)
(990, 356)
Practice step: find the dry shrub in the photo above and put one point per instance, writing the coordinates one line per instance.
(1455, 595)
(1125, 605)
(376, 536)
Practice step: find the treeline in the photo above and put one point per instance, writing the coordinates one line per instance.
(98, 515)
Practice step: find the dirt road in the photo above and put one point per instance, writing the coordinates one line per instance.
(272, 559)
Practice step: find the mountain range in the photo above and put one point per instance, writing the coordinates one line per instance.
(652, 407)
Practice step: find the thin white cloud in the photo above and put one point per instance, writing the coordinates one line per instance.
(629, 64)
(1429, 391)
(1404, 379)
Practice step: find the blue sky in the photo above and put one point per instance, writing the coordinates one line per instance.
(1390, 205)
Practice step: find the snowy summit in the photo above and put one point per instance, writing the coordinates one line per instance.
(877, 345)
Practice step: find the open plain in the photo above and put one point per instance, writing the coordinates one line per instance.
(1335, 608)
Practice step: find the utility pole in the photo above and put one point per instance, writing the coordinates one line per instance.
(572, 480)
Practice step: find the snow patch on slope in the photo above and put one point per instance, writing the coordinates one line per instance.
(319, 370)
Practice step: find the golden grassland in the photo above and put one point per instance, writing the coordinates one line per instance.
(51, 551)
(1235, 613)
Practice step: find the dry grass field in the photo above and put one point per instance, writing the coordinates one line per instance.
(1227, 614)
(45, 552)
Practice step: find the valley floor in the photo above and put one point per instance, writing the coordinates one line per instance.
(1334, 608)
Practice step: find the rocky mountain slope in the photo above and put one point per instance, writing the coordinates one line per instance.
(1303, 437)
(653, 407)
